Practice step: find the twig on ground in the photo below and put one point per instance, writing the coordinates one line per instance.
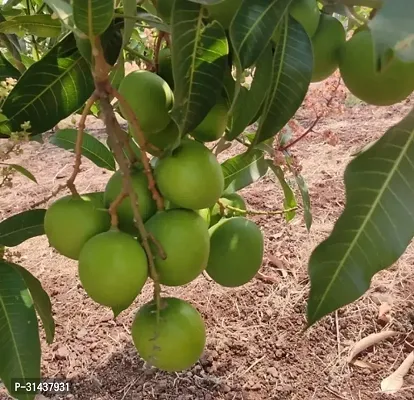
(78, 148)
(252, 365)
(140, 137)
(338, 337)
(335, 393)
(266, 278)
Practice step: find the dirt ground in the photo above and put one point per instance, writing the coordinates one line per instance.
(256, 347)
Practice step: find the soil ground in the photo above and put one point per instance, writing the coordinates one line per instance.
(256, 348)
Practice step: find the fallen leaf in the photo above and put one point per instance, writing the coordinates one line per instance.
(393, 383)
(369, 341)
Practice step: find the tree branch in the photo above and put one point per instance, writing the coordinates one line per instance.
(158, 43)
(46, 199)
(260, 212)
(114, 206)
(315, 122)
(78, 148)
(113, 128)
(140, 137)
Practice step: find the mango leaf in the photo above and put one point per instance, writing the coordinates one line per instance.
(291, 76)
(118, 72)
(41, 301)
(12, 12)
(248, 103)
(130, 9)
(63, 10)
(93, 17)
(207, 2)
(152, 20)
(41, 25)
(92, 148)
(252, 28)
(19, 334)
(11, 43)
(393, 28)
(290, 199)
(375, 227)
(243, 169)
(49, 91)
(20, 227)
(21, 170)
(7, 69)
(303, 189)
(229, 85)
(10, 4)
(111, 41)
(199, 56)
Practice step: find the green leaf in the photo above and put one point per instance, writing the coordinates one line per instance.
(10, 4)
(375, 227)
(152, 20)
(111, 41)
(12, 12)
(19, 334)
(199, 56)
(229, 85)
(252, 28)
(39, 25)
(118, 72)
(130, 9)
(303, 189)
(248, 103)
(92, 148)
(292, 72)
(290, 199)
(7, 70)
(41, 301)
(93, 17)
(63, 10)
(49, 91)
(393, 28)
(21, 170)
(11, 43)
(243, 169)
(20, 227)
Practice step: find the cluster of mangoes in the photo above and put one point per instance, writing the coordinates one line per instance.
(200, 229)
